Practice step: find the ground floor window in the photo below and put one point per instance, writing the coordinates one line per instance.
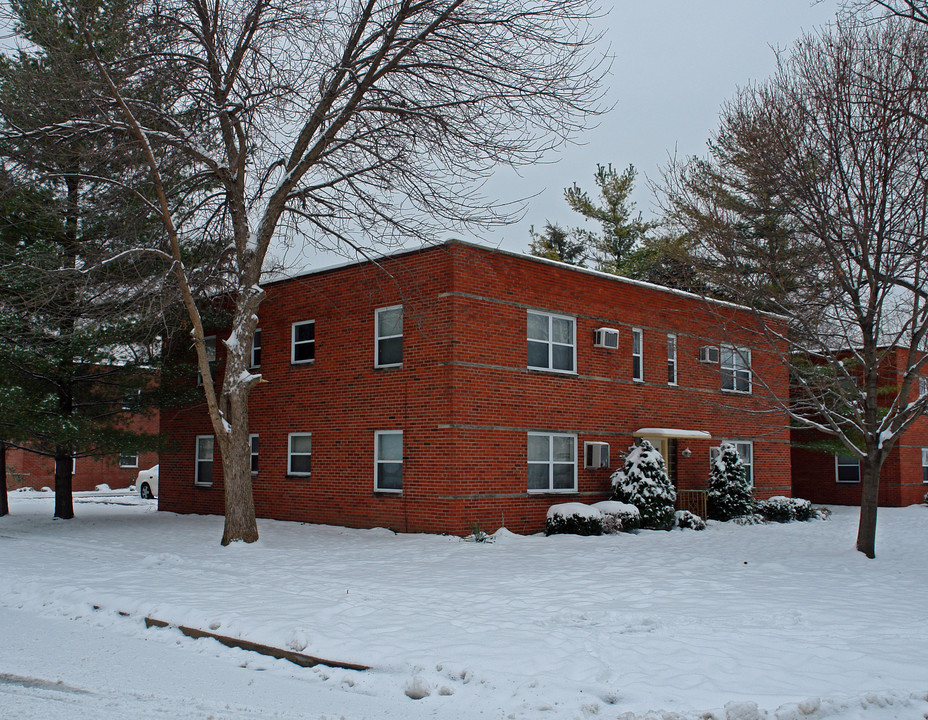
(552, 462)
(204, 468)
(745, 450)
(925, 465)
(253, 440)
(847, 469)
(128, 461)
(299, 454)
(388, 460)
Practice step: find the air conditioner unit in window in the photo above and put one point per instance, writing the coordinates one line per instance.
(596, 455)
(606, 338)
(708, 354)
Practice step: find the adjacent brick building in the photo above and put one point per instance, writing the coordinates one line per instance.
(835, 479)
(458, 385)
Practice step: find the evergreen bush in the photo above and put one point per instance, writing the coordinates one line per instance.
(783, 510)
(618, 517)
(642, 481)
(573, 519)
(729, 490)
(685, 519)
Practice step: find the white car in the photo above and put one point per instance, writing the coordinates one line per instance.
(147, 483)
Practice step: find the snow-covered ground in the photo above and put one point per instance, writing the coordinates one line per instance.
(733, 622)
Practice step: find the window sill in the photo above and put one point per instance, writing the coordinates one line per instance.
(847, 482)
(387, 493)
(736, 392)
(388, 367)
(297, 476)
(294, 363)
(551, 370)
(203, 485)
(572, 491)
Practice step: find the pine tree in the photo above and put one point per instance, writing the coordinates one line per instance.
(556, 243)
(642, 481)
(729, 490)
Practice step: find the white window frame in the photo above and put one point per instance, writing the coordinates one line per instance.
(550, 317)
(671, 359)
(734, 370)
(294, 343)
(839, 464)
(133, 464)
(925, 465)
(638, 339)
(550, 462)
(197, 460)
(291, 454)
(378, 461)
(132, 400)
(378, 337)
(253, 447)
(256, 348)
(209, 342)
(739, 445)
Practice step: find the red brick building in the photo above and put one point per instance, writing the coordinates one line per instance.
(457, 384)
(835, 479)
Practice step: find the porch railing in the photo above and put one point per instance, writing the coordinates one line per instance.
(693, 500)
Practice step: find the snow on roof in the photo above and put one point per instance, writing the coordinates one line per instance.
(672, 433)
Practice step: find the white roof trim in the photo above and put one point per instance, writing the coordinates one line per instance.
(672, 433)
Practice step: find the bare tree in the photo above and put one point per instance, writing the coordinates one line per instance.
(813, 202)
(345, 124)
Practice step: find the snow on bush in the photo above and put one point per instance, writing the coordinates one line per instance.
(642, 481)
(729, 490)
(783, 509)
(573, 519)
(618, 516)
(685, 519)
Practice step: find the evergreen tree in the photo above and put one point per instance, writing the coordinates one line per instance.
(556, 243)
(621, 230)
(642, 481)
(730, 493)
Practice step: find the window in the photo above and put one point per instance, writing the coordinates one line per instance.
(388, 460)
(300, 453)
(745, 449)
(925, 465)
(253, 439)
(128, 461)
(671, 359)
(847, 469)
(388, 336)
(132, 399)
(552, 462)
(73, 464)
(210, 343)
(303, 345)
(204, 469)
(637, 355)
(551, 343)
(735, 364)
(256, 350)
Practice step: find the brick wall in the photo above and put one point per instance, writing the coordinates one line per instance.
(464, 397)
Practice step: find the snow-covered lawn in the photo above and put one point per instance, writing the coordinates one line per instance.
(788, 617)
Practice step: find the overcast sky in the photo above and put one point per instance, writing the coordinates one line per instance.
(676, 62)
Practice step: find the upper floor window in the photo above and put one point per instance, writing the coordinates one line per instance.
(303, 344)
(209, 342)
(847, 469)
(203, 475)
(552, 462)
(256, 349)
(299, 454)
(388, 336)
(745, 450)
(735, 366)
(388, 460)
(637, 354)
(551, 344)
(671, 359)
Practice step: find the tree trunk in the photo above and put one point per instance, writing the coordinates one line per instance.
(235, 448)
(4, 498)
(869, 496)
(64, 505)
